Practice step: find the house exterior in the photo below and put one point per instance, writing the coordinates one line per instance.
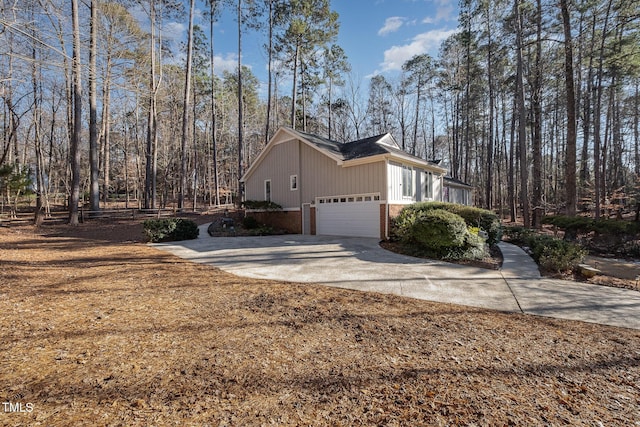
(456, 191)
(330, 188)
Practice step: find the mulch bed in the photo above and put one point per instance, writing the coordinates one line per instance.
(98, 329)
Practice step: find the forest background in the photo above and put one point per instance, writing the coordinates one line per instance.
(534, 103)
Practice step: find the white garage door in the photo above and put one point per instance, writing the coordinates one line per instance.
(354, 215)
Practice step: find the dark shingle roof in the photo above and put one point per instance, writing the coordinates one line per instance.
(455, 181)
(362, 148)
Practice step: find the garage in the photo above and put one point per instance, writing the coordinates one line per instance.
(355, 215)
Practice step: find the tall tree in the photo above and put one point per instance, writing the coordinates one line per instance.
(335, 63)
(522, 115)
(571, 145)
(152, 116)
(419, 71)
(74, 149)
(310, 24)
(94, 161)
(213, 11)
(240, 195)
(186, 107)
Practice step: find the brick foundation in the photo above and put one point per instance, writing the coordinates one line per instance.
(290, 221)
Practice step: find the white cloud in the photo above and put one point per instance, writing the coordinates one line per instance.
(445, 13)
(174, 31)
(427, 42)
(227, 62)
(391, 25)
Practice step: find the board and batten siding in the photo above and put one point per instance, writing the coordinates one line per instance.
(322, 176)
(282, 161)
(419, 179)
(394, 189)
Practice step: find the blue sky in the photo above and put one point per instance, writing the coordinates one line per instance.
(378, 36)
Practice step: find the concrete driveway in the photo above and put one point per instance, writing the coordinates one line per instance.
(361, 264)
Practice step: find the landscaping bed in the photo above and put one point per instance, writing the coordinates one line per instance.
(101, 330)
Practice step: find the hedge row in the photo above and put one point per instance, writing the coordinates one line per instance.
(550, 253)
(580, 225)
(439, 233)
(483, 219)
(170, 229)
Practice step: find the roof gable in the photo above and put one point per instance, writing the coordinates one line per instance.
(356, 151)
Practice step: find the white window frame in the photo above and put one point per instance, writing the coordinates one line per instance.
(407, 190)
(429, 185)
(293, 182)
(267, 190)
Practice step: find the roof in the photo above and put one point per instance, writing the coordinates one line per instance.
(456, 182)
(362, 148)
(347, 154)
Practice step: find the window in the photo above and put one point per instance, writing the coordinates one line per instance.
(428, 190)
(293, 182)
(267, 190)
(407, 181)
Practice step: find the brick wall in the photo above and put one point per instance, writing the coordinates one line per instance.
(291, 221)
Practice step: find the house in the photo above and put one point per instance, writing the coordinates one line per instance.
(329, 188)
(456, 191)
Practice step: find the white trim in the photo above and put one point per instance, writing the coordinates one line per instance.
(293, 179)
(371, 196)
(268, 210)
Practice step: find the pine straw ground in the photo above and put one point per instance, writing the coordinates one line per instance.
(97, 330)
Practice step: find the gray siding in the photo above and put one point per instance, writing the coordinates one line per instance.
(458, 195)
(322, 176)
(282, 161)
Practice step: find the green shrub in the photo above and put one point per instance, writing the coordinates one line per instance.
(250, 223)
(170, 229)
(438, 229)
(439, 233)
(573, 226)
(554, 254)
(518, 235)
(473, 217)
(262, 205)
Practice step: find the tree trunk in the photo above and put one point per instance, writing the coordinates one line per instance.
(240, 196)
(269, 78)
(597, 142)
(522, 115)
(214, 144)
(106, 131)
(536, 143)
(489, 163)
(150, 176)
(294, 90)
(74, 149)
(94, 161)
(186, 108)
(570, 167)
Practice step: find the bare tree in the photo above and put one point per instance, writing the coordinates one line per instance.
(74, 149)
(570, 171)
(186, 107)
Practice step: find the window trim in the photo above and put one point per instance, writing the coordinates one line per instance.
(267, 190)
(408, 191)
(293, 182)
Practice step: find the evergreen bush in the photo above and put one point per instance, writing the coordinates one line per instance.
(473, 217)
(439, 233)
(250, 223)
(170, 229)
(554, 254)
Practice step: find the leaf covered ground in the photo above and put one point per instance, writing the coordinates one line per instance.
(99, 329)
